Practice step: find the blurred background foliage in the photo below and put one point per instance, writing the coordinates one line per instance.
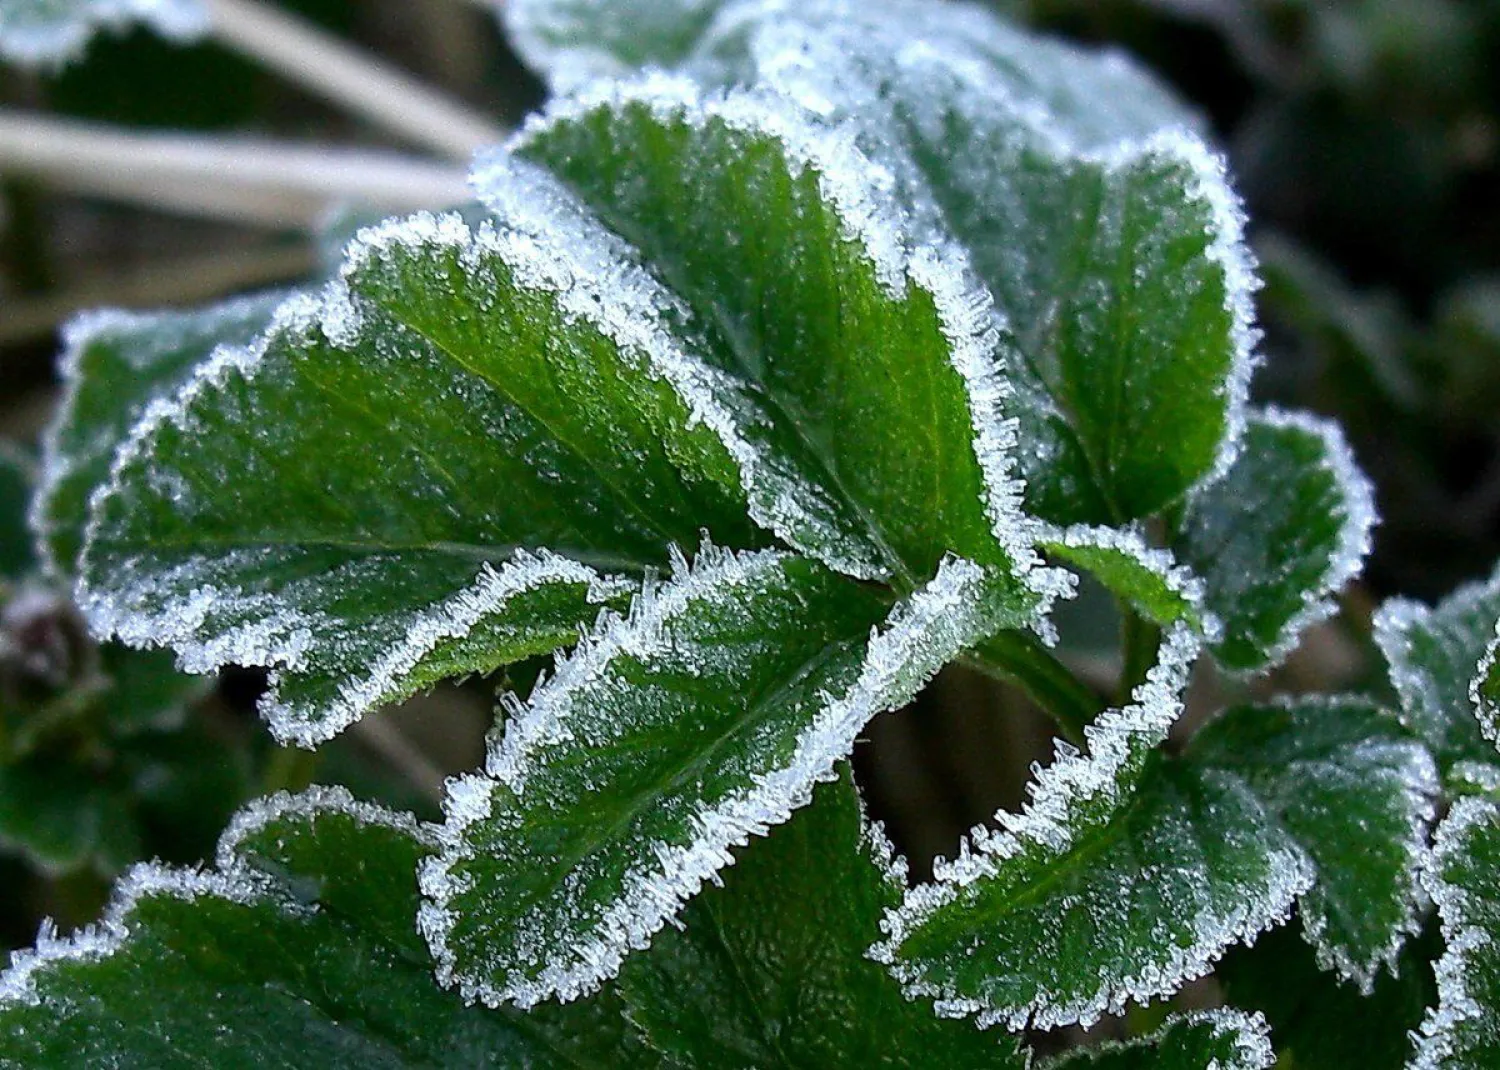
(1363, 134)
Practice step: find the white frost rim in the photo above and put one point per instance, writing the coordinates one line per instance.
(852, 184)
(1485, 707)
(234, 880)
(1118, 741)
(1251, 1034)
(1464, 939)
(1355, 535)
(899, 658)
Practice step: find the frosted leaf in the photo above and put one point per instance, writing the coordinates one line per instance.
(114, 364)
(49, 33)
(1125, 875)
(1353, 787)
(703, 719)
(570, 42)
(1433, 654)
(1201, 1040)
(1104, 229)
(1148, 578)
(1484, 691)
(770, 969)
(333, 500)
(1278, 536)
(1463, 1031)
(872, 345)
(297, 950)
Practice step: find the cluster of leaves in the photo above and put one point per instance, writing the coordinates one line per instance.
(903, 318)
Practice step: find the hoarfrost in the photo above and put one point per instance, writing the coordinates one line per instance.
(50, 33)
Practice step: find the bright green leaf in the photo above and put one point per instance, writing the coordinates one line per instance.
(1433, 653)
(297, 951)
(1148, 579)
(1278, 536)
(1204, 1040)
(114, 365)
(1463, 1031)
(1357, 792)
(770, 970)
(700, 721)
(873, 353)
(49, 33)
(1126, 875)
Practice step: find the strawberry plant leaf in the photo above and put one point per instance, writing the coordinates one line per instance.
(1463, 877)
(17, 479)
(114, 365)
(1357, 792)
(1278, 535)
(571, 42)
(1126, 875)
(1147, 578)
(297, 950)
(703, 719)
(1321, 1023)
(1108, 235)
(874, 358)
(49, 33)
(1484, 691)
(770, 971)
(1203, 1040)
(1432, 654)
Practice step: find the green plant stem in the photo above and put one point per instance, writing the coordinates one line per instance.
(1140, 640)
(1019, 659)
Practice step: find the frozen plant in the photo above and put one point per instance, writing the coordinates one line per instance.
(794, 352)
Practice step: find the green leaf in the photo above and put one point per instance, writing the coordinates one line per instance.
(1321, 1023)
(465, 394)
(570, 42)
(114, 365)
(1356, 791)
(1203, 1040)
(872, 351)
(1278, 536)
(49, 33)
(703, 719)
(1126, 875)
(1107, 235)
(1463, 1031)
(1432, 653)
(297, 950)
(17, 478)
(770, 970)
(1147, 578)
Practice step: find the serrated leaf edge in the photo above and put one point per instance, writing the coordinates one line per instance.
(1461, 938)
(849, 181)
(1252, 1041)
(234, 880)
(1485, 707)
(657, 891)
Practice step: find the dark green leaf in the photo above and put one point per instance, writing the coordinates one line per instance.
(1278, 535)
(1463, 1031)
(874, 362)
(114, 365)
(1206, 1040)
(297, 951)
(1433, 654)
(700, 721)
(1357, 792)
(1321, 1023)
(1126, 875)
(17, 478)
(770, 970)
